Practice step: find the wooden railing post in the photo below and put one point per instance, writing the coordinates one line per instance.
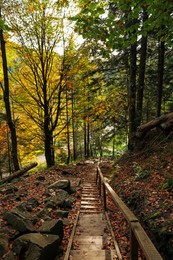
(133, 246)
(104, 196)
(100, 186)
(97, 175)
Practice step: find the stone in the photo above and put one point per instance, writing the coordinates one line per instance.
(27, 206)
(18, 222)
(9, 189)
(61, 184)
(3, 244)
(68, 202)
(51, 204)
(75, 184)
(43, 213)
(36, 246)
(40, 178)
(54, 226)
(33, 202)
(25, 215)
(10, 256)
(24, 207)
(59, 197)
(61, 213)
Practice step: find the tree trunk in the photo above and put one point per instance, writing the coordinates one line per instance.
(142, 65)
(68, 133)
(88, 140)
(18, 173)
(10, 122)
(132, 96)
(49, 149)
(85, 140)
(73, 129)
(164, 122)
(161, 55)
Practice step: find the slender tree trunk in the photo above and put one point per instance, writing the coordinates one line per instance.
(132, 96)
(142, 66)
(88, 140)
(161, 55)
(73, 129)
(48, 134)
(10, 122)
(68, 133)
(85, 140)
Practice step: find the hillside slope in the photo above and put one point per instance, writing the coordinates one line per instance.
(144, 180)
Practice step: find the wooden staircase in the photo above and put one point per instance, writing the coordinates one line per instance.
(93, 238)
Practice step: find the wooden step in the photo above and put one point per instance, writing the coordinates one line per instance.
(93, 255)
(92, 232)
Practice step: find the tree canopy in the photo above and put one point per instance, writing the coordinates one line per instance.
(83, 75)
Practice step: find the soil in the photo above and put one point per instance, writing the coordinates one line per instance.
(144, 181)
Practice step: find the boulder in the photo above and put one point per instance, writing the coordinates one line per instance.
(54, 226)
(61, 199)
(33, 202)
(61, 213)
(18, 221)
(8, 189)
(43, 213)
(10, 256)
(36, 246)
(28, 205)
(3, 244)
(61, 184)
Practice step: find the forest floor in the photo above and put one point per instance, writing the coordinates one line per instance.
(143, 180)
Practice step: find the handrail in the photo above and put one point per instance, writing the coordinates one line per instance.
(138, 237)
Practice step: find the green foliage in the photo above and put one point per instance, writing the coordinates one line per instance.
(140, 174)
(168, 185)
(3, 25)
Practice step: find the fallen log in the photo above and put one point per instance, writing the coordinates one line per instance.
(165, 122)
(18, 173)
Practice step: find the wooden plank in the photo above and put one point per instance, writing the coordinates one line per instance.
(71, 238)
(119, 256)
(93, 255)
(145, 243)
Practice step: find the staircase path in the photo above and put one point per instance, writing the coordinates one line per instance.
(93, 237)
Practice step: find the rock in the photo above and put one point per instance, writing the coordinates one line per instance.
(24, 207)
(59, 198)
(75, 184)
(33, 202)
(35, 246)
(54, 226)
(65, 172)
(8, 189)
(40, 178)
(68, 202)
(51, 204)
(3, 244)
(10, 256)
(18, 222)
(29, 205)
(25, 215)
(61, 184)
(61, 213)
(43, 213)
